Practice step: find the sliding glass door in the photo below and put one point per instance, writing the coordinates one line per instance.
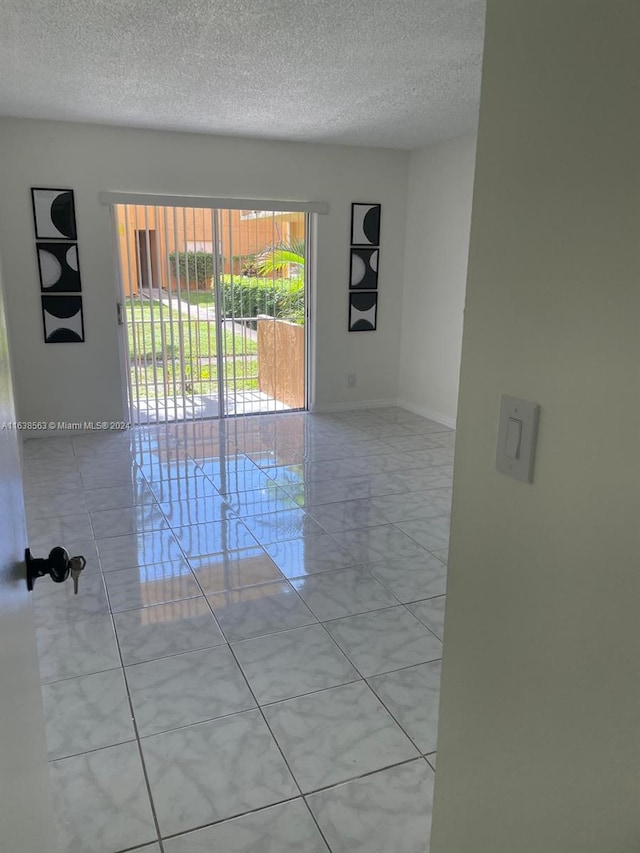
(215, 311)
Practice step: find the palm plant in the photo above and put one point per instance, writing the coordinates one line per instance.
(282, 254)
(274, 259)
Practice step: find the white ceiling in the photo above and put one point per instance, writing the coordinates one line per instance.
(394, 73)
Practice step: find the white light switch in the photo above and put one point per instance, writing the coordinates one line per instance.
(517, 434)
(512, 441)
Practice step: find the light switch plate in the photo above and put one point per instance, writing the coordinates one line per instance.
(513, 409)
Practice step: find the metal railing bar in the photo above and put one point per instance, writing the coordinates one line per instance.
(183, 389)
(215, 229)
(151, 308)
(165, 214)
(186, 265)
(163, 334)
(132, 274)
(233, 311)
(273, 322)
(123, 275)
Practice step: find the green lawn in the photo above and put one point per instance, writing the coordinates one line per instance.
(198, 337)
(198, 379)
(161, 356)
(204, 298)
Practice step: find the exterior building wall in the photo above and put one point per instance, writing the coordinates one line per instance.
(164, 230)
(281, 360)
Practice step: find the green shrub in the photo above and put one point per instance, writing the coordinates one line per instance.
(248, 296)
(196, 267)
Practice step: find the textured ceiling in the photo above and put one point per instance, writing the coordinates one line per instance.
(395, 73)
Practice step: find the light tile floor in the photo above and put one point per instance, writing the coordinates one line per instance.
(253, 661)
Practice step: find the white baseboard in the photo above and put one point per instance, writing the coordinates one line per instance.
(445, 420)
(327, 408)
(349, 405)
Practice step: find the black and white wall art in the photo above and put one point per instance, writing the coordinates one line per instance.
(54, 214)
(54, 219)
(364, 269)
(62, 318)
(363, 311)
(365, 224)
(58, 266)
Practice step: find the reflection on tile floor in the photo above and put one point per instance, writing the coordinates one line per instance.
(253, 660)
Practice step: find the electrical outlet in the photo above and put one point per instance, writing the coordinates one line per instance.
(351, 380)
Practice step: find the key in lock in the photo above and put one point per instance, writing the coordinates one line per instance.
(58, 565)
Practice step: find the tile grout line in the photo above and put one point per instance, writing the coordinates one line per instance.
(172, 835)
(137, 735)
(364, 679)
(342, 651)
(264, 719)
(367, 773)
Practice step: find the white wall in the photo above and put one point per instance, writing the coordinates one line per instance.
(436, 249)
(79, 382)
(539, 744)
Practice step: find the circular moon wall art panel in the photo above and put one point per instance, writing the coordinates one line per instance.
(54, 214)
(365, 224)
(363, 310)
(62, 317)
(364, 269)
(58, 264)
